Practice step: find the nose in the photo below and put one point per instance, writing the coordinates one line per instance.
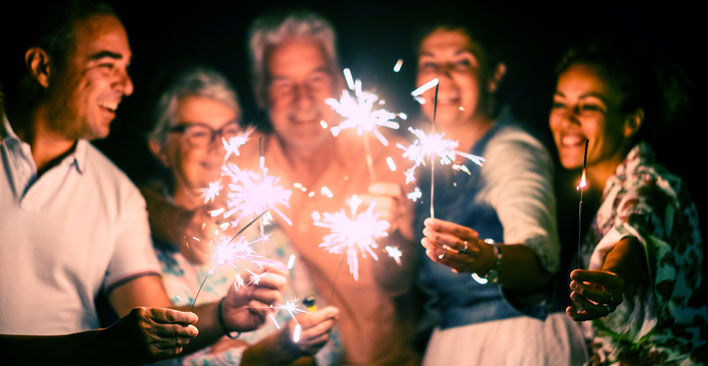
(125, 84)
(303, 97)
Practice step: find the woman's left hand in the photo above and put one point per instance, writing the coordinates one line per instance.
(456, 246)
(595, 294)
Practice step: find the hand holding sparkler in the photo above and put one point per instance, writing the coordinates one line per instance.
(457, 247)
(389, 201)
(152, 334)
(313, 333)
(247, 307)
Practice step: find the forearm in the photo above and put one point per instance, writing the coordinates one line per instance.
(209, 329)
(90, 347)
(272, 350)
(521, 269)
(626, 259)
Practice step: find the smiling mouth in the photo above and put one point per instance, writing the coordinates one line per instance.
(573, 140)
(110, 106)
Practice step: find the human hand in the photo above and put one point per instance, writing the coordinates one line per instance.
(595, 294)
(246, 308)
(316, 328)
(151, 334)
(456, 246)
(389, 202)
(205, 228)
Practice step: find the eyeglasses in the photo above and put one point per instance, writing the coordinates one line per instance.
(200, 135)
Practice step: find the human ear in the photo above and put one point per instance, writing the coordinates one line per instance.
(157, 149)
(39, 65)
(633, 123)
(496, 77)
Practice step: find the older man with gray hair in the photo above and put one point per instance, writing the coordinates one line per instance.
(295, 70)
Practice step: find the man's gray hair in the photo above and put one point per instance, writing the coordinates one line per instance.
(196, 81)
(272, 29)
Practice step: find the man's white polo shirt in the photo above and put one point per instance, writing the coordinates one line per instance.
(78, 229)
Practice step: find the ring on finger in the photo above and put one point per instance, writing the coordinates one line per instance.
(466, 248)
(444, 253)
(608, 308)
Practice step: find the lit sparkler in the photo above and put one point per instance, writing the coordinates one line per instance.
(352, 232)
(360, 112)
(433, 145)
(581, 187)
(251, 193)
(292, 308)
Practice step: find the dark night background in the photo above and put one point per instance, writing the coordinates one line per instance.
(372, 35)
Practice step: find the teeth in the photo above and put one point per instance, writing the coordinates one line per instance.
(571, 140)
(112, 106)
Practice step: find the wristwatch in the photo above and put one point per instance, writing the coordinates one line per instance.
(493, 274)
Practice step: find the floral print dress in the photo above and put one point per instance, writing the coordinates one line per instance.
(663, 321)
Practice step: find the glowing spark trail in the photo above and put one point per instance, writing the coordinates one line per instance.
(430, 146)
(212, 191)
(394, 253)
(423, 88)
(398, 65)
(291, 308)
(233, 144)
(415, 195)
(232, 252)
(251, 193)
(359, 112)
(352, 233)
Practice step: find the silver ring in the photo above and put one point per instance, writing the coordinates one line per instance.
(444, 253)
(465, 250)
(607, 307)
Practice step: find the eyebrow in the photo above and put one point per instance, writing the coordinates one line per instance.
(586, 95)
(106, 54)
(458, 52)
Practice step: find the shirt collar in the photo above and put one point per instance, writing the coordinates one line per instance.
(639, 155)
(76, 158)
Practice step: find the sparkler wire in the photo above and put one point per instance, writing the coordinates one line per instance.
(369, 159)
(232, 239)
(580, 204)
(432, 157)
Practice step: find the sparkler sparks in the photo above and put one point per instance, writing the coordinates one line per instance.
(252, 193)
(212, 191)
(359, 112)
(415, 195)
(425, 87)
(233, 144)
(352, 232)
(394, 253)
(430, 146)
(232, 252)
(398, 65)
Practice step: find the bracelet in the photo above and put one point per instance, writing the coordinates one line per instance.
(493, 274)
(222, 325)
